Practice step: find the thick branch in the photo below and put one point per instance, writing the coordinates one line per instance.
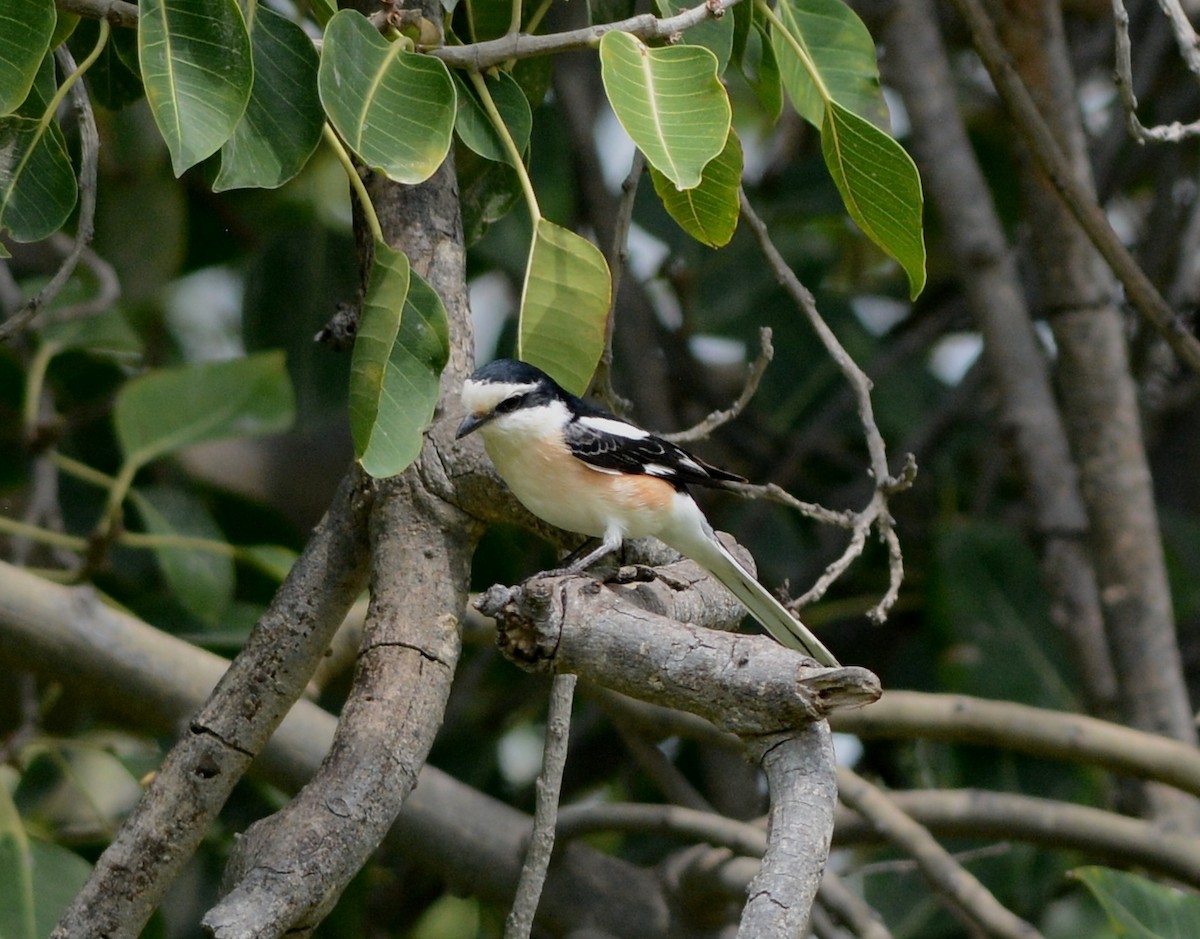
(156, 681)
(132, 875)
(918, 65)
(914, 714)
(576, 625)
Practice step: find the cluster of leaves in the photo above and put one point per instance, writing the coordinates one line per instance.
(247, 85)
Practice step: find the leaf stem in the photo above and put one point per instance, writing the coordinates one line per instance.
(81, 471)
(356, 182)
(65, 88)
(801, 53)
(514, 25)
(58, 539)
(510, 145)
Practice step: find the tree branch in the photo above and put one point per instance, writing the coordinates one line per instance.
(519, 924)
(1139, 289)
(876, 514)
(264, 681)
(943, 873)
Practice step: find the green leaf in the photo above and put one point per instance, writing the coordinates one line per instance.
(37, 182)
(17, 917)
(709, 212)
(395, 109)
(106, 334)
(474, 127)
(282, 124)
(826, 54)
(880, 187)
(198, 71)
(1140, 908)
(564, 306)
(487, 192)
(169, 409)
(669, 100)
(202, 581)
(114, 79)
(402, 346)
(714, 33)
(761, 70)
(38, 880)
(25, 30)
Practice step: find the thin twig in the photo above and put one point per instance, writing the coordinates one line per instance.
(758, 368)
(851, 909)
(1075, 194)
(1163, 133)
(483, 55)
(947, 877)
(116, 12)
(876, 514)
(545, 816)
(618, 257)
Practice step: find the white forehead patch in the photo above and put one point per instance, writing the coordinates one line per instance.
(610, 425)
(481, 397)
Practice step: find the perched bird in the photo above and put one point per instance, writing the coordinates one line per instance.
(585, 470)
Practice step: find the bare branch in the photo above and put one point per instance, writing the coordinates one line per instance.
(117, 12)
(519, 924)
(876, 514)
(1055, 734)
(574, 624)
(941, 870)
(1139, 289)
(132, 875)
(483, 55)
(754, 376)
(1060, 826)
(156, 681)
(1164, 133)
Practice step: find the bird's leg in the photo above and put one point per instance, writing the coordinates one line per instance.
(568, 563)
(577, 565)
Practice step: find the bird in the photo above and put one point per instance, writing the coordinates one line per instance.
(585, 470)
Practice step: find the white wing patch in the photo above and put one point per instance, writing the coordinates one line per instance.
(657, 469)
(613, 426)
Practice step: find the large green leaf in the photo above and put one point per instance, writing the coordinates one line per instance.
(202, 581)
(709, 212)
(37, 879)
(395, 109)
(715, 33)
(282, 124)
(169, 409)
(1140, 908)
(402, 346)
(670, 101)
(37, 183)
(880, 187)
(198, 71)
(826, 54)
(25, 30)
(564, 306)
(475, 128)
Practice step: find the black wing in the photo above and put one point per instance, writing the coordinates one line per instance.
(608, 443)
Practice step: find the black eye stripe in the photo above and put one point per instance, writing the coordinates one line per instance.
(510, 404)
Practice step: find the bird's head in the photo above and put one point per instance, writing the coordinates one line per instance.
(498, 392)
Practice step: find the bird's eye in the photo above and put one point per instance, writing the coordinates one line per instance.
(509, 404)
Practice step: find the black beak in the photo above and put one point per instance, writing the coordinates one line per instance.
(471, 423)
